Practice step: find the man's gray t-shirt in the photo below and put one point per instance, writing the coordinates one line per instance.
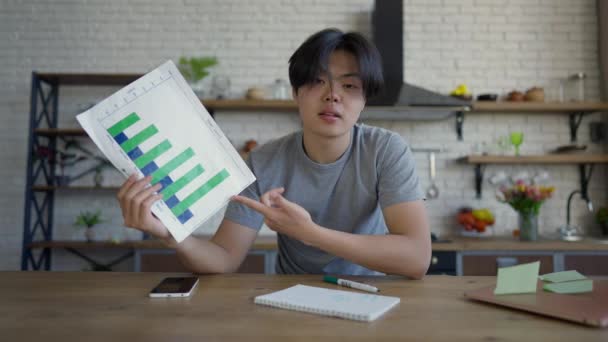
(376, 171)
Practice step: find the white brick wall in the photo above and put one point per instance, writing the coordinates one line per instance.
(492, 45)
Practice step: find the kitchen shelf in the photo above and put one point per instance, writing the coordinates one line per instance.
(131, 248)
(575, 110)
(260, 243)
(80, 248)
(476, 106)
(538, 107)
(584, 161)
(95, 79)
(96, 244)
(60, 132)
(370, 112)
(538, 159)
(250, 105)
(44, 188)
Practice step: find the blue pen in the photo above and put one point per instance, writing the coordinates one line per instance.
(350, 283)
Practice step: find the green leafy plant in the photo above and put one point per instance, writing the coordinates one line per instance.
(602, 215)
(195, 68)
(88, 219)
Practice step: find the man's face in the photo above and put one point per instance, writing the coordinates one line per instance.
(331, 105)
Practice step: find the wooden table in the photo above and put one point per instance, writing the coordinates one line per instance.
(105, 306)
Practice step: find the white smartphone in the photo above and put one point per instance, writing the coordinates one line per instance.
(174, 287)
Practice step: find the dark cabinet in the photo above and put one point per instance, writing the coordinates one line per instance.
(589, 265)
(443, 262)
(487, 265)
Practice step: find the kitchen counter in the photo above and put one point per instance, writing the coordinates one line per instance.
(483, 256)
(269, 243)
(512, 244)
(454, 255)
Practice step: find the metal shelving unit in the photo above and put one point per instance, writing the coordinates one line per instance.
(43, 135)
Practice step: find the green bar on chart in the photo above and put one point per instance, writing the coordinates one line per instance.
(182, 181)
(139, 138)
(123, 124)
(152, 154)
(172, 165)
(200, 192)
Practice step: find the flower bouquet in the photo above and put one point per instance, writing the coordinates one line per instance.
(526, 200)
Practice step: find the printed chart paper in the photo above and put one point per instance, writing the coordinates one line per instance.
(157, 126)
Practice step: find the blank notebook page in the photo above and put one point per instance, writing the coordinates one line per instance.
(321, 301)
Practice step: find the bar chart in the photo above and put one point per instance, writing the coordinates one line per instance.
(157, 127)
(146, 162)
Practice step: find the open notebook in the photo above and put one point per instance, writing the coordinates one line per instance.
(321, 301)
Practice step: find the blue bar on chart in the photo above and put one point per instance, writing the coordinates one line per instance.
(134, 153)
(185, 216)
(171, 201)
(149, 169)
(120, 138)
(165, 182)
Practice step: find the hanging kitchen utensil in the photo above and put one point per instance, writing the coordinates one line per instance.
(432, 191)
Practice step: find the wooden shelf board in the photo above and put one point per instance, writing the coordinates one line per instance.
(70, 188)
(260, 243)
(60, 131)
(539, 107)
(243, 104)
(270, 243)
(478, 106)
(538, 159)
(88, 79)
(290, 106)
(92, 245)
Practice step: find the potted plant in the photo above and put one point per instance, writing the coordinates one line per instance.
(602, 218)
(88, 220)
(194, 70)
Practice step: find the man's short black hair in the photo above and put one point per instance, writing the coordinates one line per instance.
(312, 57)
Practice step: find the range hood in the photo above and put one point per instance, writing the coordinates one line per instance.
(401, 100)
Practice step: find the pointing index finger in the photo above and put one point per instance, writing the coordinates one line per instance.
(253, 204)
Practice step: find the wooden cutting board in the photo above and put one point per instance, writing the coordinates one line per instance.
(586, 308)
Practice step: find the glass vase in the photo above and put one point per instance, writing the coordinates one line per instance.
(528, 226)
(89, 234)
(199, 88)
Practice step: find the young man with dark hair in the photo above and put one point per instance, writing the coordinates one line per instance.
(343, 197)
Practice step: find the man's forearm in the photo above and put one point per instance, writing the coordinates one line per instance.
(202, 256)
(393, 254)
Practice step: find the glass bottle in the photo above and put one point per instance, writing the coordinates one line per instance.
(280, 89)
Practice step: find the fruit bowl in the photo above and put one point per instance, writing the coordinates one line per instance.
(488, 233)
(476, 222)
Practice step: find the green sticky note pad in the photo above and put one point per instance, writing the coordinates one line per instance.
(517, 279)
(559, 277)
(568, 287)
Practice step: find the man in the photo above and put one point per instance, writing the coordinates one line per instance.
(343, 198)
